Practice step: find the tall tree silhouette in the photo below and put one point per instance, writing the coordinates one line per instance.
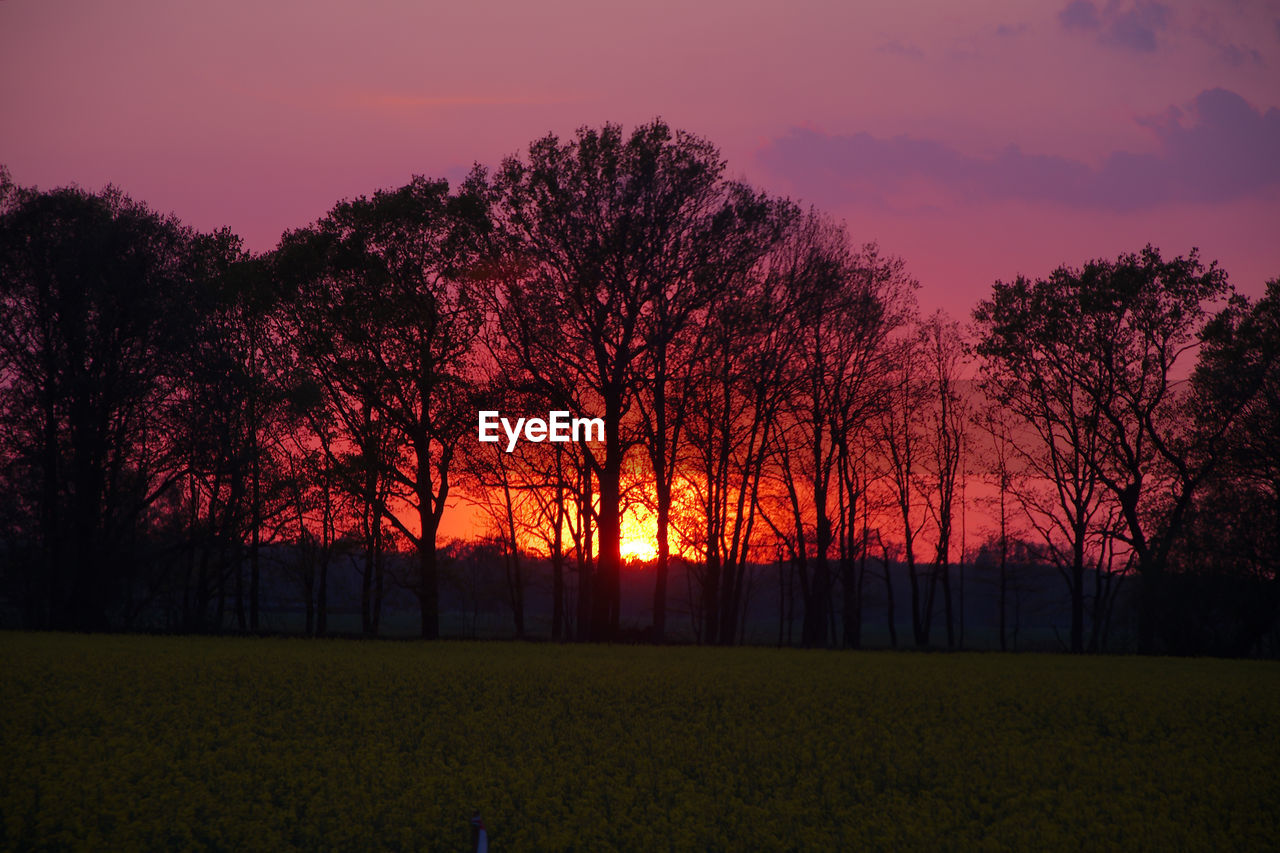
(734, 388)
(1227, 595)
(603, 231)
(848, 305)
(902, 433)
(99, 296)
(1093, 355)
(998, 460)
(943, 349)
(237, 474)
(386, 316)
(1045, 385)
(722, 254)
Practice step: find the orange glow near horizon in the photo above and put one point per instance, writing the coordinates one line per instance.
(639, 535)
(638, 546)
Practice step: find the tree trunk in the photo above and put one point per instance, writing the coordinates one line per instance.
(664, 564)
(888, 597)
(1077, 596)
(586, 580)
(428, 601)
(606, 603)
(255, 518)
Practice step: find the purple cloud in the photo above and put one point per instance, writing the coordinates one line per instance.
(1080, 15)
(1136, 27)
(1220, 149)
(1236, 55)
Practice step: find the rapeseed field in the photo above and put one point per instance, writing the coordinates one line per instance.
(137, 743)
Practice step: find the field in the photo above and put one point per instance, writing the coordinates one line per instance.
(135, 743)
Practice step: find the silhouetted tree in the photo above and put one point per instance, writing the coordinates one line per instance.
(1044, 384)
(385, 318)
(999, 465)
(881, 307)
(734, 388)
(727, 233)
(943, 349)
(1224, 595)
(600, 231)
(849, 304)
(233, 413)
(503, 488)
(99, 296)
(317, 506)
(1092, 355)
(902, 430)
(1239, 372)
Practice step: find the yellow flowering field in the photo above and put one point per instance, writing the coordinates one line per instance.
(136, 743)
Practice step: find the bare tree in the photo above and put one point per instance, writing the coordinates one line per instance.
(100, 297)
(602, 234)
(740, 227)
(848, 306)
(999, 463)
(736, 388)
(1060, 455)
(903, 434)
(385, 317)
(1089, 358)
(947, 414)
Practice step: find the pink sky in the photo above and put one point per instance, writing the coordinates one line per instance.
(976, 140)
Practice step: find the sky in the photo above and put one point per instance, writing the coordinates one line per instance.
(975, 140)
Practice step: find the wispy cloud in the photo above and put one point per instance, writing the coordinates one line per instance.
(1219, 148)
(1236, 55)
(1136, 26)
(1080, 15)
(1225, 35)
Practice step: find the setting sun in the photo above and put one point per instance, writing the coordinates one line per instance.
(639, 536)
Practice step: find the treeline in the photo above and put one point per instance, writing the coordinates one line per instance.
(177, 411)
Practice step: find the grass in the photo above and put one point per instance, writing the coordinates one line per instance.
(132, 743)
